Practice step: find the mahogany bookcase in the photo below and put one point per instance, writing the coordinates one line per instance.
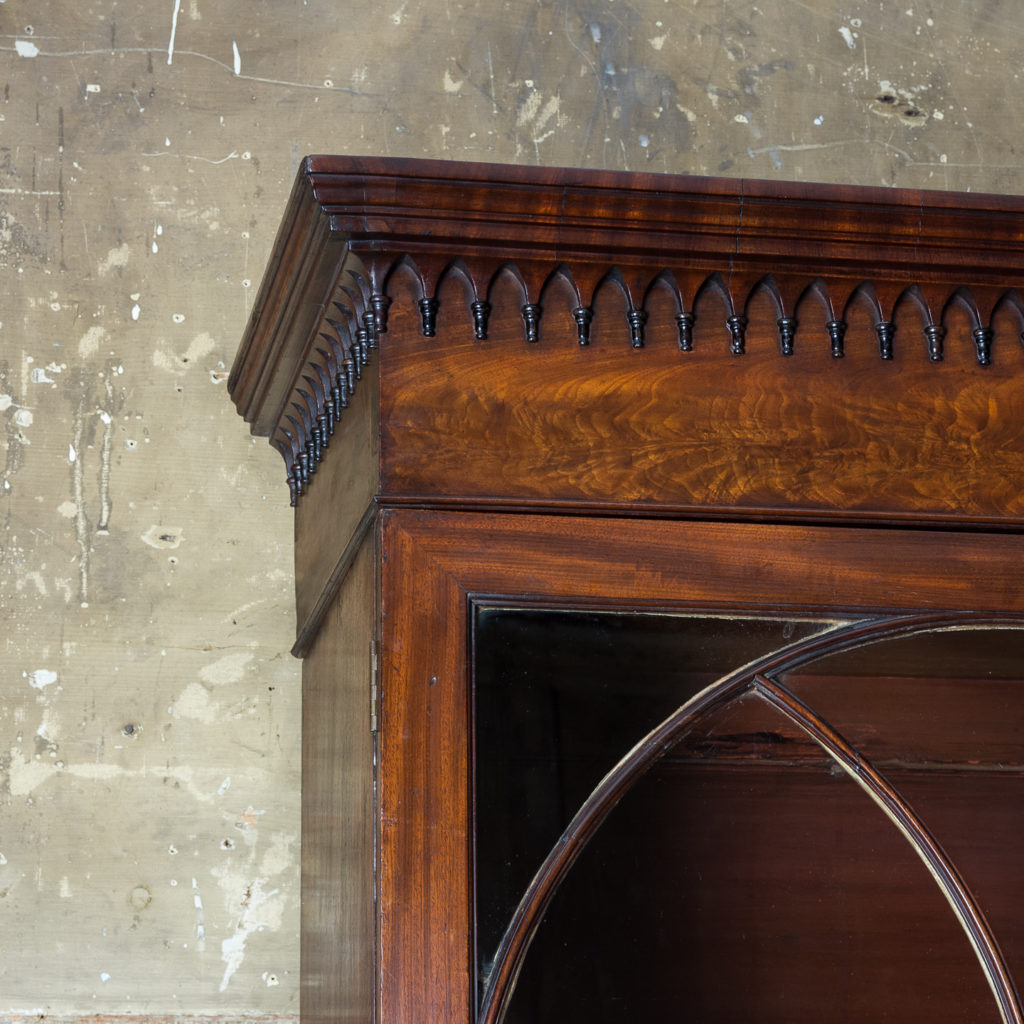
(660, 583)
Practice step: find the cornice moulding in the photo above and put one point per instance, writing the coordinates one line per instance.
(816, 251)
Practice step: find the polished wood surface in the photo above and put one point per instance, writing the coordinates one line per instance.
(563, 391)
(659, 431)
(338, 825)
(436, 562)
(562, 336)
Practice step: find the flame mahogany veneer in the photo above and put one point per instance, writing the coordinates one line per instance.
(533, 387)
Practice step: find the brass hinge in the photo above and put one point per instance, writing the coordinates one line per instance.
(374, 696)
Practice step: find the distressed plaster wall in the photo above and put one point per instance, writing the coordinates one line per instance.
(149, 722)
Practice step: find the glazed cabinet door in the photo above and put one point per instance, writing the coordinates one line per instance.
(651, 769)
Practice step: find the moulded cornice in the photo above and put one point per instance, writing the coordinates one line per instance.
(816, 251)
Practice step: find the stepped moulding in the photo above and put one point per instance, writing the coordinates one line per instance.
(710, 263)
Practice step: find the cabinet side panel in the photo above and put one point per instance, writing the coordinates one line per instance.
(337, 805)
(331, 514)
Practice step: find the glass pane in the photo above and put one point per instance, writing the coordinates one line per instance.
(941, 715)
(560, 697)
(741, 881)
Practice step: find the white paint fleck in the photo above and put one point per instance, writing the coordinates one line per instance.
(224, 786)
(24, 418)
(5, 402)
(197, 902)
(741, 119)
(450, 85)
(658, 41)
(3, 860)
(65, 892)
(174, 29)
(237, 57)
(398, 16)
(938, 115)
(39, 374)
(136, 311)
(67, 509)
(41, 678)
(249, 921)
(72, 454)
(819, 120)
(25, 48)
(93, 87)
(178, 318)
(848, 36)
(104, 977)
(270, 979)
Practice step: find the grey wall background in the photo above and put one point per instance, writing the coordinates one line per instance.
(149, 722)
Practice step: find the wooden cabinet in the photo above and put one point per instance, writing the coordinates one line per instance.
(659, 555)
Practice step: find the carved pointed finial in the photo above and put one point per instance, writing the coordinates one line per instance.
(481, 310)
(362, 347)
(738, 331)
(886, 331)
(685, 322)
(370, 324)
(983, 344)
(935, 333)
(787, 331)
(636, 318)
(837, 336)
(583, 315)
(379, 304)
(428, 317)
(531, 319)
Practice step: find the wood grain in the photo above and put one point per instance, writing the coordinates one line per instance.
(338, 825)
(847, 351)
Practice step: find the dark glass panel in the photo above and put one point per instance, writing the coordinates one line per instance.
(560, 697)
(941, 715)
(747, 879)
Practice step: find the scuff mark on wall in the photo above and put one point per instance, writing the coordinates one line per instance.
(106, 416)
(197, 902)
(75, 452)
(229, 669)
(117, 257)
(16, 440)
